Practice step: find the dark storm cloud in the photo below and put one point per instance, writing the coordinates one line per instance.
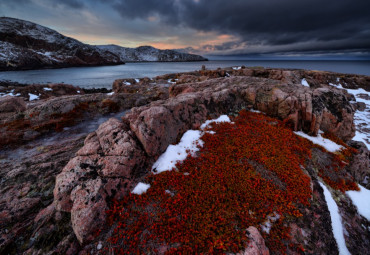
(78, 4)
(72, 3)
(328, 24)
(252, 25)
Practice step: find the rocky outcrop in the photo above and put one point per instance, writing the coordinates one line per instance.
(38, 91)
(29, 221)
(26, 45)
(58, 106)
(149, 54)
(26, 201)
(315, 79)
(145, 86)
(146, 134)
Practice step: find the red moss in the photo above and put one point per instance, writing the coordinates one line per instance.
(219, 193)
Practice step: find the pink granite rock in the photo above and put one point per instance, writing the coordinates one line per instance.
(256, 245)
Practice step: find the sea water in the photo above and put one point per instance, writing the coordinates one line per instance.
(103, 76)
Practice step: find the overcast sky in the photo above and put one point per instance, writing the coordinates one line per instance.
(225, 27)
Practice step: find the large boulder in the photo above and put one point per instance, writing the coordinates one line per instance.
(101, 171)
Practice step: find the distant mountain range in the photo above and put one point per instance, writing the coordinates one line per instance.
(26, 45)
(149, 53)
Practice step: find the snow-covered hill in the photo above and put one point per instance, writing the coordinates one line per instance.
(148, 53)
(26, 45)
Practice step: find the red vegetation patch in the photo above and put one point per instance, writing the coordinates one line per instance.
(206, 205)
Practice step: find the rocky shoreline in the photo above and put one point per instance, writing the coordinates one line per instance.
(59, 177)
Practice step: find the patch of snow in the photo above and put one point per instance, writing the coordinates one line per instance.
(326, 143)
(305, 83)
(111, 93)
(78, 91)
(227, 75)
(338, 85)
(140, 188)
(11, 93)
(48, 89)
(137, 80)
(361, 199)
(189, 142)
(257, 111)
(170, 81)
(335, 221)
(126, 83)
(237, 67)
(178, 152)
(99, 246)
(266, 226)
(362, 137)
(362, 118)
(169, 192)
(222, 118)
(33, 96)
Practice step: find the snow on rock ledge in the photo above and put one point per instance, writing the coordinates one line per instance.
(326, 143)
(140, 188)
(361, 200)
(336, 221)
